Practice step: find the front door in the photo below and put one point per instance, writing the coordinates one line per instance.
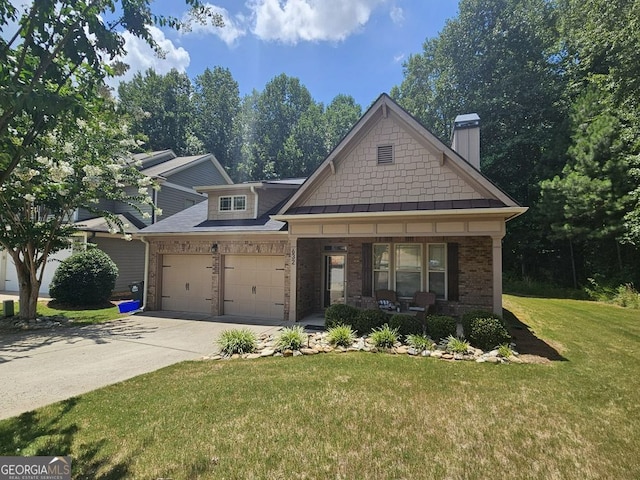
(334, 279)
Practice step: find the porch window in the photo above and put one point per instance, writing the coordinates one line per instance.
(381, 266)
(408, 269)
(437, 269)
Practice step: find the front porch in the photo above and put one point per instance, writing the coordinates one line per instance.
(463, 271)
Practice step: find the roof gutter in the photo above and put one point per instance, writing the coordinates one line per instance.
(242, 233)
(255, 201)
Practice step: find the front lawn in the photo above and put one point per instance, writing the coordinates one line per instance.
(80, 316)
(363, 415)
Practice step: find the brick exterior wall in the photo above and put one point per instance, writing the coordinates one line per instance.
(475, 270)
(475, 257)
(415, 175)
(167, 246)
(475, 278)
(309, 276)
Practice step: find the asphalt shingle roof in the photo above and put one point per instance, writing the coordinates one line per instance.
(169, 165)
(194, 220)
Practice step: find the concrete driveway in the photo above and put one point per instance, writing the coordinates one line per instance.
(42, 367)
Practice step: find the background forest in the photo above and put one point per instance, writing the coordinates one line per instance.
(557, 88)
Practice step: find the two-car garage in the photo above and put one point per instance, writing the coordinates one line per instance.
(252, 285)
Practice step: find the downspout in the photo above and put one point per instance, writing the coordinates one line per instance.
(146, 274)
(154, 201)
(255, 202)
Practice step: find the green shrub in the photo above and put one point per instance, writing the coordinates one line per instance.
(290, 338)
(487, 333)
(85, 278)
(238, 340)
(469, 316)
(627, 296)
(440, 326)
(339, 314)
(406, 324)
(384, 336)
(456, 345)
(420, 342)
(367, 320)
(341, 336)
(505, 351)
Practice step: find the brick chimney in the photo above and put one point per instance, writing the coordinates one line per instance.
(466, 138)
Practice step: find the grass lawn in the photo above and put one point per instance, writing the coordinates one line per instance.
(103, 313)
(369, 416)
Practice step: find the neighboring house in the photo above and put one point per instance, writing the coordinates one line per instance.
(391, 207)
(176, 175)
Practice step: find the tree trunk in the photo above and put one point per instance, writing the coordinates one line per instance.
(619, 253)
(29, 288)
(573, 265)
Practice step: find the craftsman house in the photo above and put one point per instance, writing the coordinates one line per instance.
(392, 207)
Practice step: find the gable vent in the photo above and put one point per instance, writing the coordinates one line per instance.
(385, 154)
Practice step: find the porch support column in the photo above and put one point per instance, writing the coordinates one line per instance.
(293, 276)
(497, 274)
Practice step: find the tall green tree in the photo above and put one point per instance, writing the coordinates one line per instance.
(601, 39)
(278, 109)
(52, 56)
(216, 109)
(340, 116)
(305, 148)
(428, 90)
(587, 202)
(247, 162)
(160, 108)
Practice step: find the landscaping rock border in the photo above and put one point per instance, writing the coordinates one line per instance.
(317, 343)
(39, 323)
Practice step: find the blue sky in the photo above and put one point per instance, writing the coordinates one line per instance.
(355, 47)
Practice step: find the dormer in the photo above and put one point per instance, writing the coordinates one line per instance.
(247, 201)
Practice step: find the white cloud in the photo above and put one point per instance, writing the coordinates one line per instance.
(233, 29)
(141, 57)
(397, 15)
(291, 21)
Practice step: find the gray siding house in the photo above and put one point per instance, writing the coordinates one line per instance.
(177, 176)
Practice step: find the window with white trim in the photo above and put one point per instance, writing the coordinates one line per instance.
(437, 269)
(408, 269)
(232, 203)
(401, 267)
(381, 253)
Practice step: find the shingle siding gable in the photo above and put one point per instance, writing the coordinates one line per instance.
(415, 174)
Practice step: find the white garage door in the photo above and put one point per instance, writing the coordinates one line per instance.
(9, 275)
(254, 286)
(186, 283)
